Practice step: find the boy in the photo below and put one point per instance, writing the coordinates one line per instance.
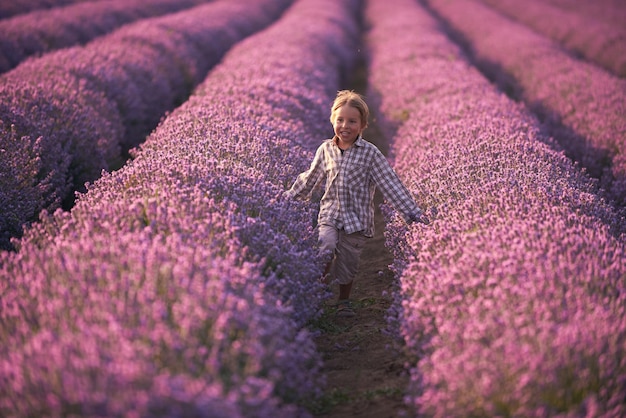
(352, 168)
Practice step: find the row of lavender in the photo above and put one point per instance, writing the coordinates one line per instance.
(13, 8)
(72, 113)
(180, 284)
(41, 31)
(600, 41)
(513, 300)
(583, 105)
(602, 10)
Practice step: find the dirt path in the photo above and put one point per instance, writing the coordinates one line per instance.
(364, 365)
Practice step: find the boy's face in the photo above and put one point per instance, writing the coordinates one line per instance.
(347, 123)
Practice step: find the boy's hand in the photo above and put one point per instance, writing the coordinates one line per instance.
(421, 218)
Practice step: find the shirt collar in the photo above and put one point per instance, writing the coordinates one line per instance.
(359, 141)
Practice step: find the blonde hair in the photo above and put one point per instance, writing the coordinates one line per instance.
(352, 99)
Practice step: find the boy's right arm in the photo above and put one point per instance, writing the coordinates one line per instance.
(308, 180)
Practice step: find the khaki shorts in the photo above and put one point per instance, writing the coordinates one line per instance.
(344, 251)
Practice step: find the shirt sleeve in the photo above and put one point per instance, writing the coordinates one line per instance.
(392, 188)
(309, 180)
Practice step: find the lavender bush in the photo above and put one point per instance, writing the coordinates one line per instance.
(180, 284)
(512, 301)
(599, 41)
(87, 106)
(12, 8)
(41, 31)
(42, 140)
(602, 10)
(21, 175)
(582, 104)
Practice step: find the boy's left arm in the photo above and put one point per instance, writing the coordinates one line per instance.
(395, 191)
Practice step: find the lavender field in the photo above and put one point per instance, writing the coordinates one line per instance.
(151, 267)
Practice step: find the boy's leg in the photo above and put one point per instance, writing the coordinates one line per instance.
(328, 236)
(344, 291)
(349, 249)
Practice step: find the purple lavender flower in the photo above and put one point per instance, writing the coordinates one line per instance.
(597, 37)
(581, 104)
(8, 9)
(512, 299)
(91, 104)
(45, 30)
(182, 283)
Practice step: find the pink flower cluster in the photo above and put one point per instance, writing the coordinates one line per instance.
(513, 300)
(598, 40)
(582, 104)
(81, 109)
(180, 284)
(42, 31)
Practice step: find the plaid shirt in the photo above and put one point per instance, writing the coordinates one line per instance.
(351, 180)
